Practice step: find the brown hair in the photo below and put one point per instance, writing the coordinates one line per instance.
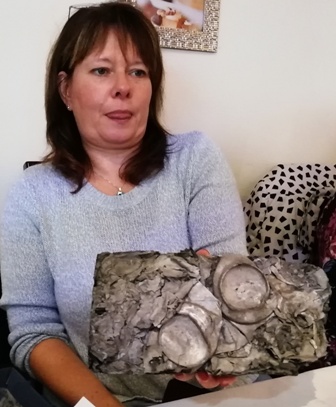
(85, 30)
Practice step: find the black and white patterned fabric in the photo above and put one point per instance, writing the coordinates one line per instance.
(281, 211)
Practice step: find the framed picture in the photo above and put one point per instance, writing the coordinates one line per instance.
(181, 24)
(184, 24)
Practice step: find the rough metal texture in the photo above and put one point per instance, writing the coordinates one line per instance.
(155, 313)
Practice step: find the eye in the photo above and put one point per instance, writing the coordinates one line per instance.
(139, 73)
(100, 71)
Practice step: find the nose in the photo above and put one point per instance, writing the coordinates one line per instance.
(121, 86)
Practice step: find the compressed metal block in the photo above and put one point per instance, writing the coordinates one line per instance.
(182, 312)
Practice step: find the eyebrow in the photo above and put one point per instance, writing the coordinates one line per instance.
(102, 59)
(108, 60)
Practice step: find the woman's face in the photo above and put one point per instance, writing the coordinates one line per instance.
(109, 95)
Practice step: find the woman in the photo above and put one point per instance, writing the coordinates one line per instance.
(114, 180)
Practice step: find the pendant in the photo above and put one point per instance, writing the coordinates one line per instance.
(120, 192)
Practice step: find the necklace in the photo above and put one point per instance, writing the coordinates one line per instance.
(119, 189)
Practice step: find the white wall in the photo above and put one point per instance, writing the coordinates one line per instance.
(267, 96)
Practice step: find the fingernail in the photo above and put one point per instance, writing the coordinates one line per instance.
(203, 376)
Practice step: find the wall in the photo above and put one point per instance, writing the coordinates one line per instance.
(267, 96)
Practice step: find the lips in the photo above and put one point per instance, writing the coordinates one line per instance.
(119, 115)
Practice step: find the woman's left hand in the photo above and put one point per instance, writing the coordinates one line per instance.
(205, 379)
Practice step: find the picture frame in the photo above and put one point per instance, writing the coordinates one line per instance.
(202, 15)
(181, 24)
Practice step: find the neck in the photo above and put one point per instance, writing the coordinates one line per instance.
(106, 174)
(103, 156)
(109, 162)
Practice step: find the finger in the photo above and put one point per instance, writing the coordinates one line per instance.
(207, 381)
(203, 252)
(184, 377)
(226, 380)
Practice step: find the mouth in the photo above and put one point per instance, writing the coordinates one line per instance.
(119, 115)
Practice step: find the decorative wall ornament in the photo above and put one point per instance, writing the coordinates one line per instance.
(181, 24)
(182, 312)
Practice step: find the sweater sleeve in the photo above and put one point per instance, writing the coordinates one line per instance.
(28, 291)
(215, 216)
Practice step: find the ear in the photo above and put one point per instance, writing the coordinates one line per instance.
(63, 89)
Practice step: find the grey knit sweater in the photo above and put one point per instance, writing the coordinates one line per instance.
(50, 240)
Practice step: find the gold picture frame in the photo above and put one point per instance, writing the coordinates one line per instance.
(181, 24)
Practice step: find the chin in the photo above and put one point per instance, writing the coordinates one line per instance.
(123, 139)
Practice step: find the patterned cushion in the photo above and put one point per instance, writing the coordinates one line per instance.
(275, 208)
